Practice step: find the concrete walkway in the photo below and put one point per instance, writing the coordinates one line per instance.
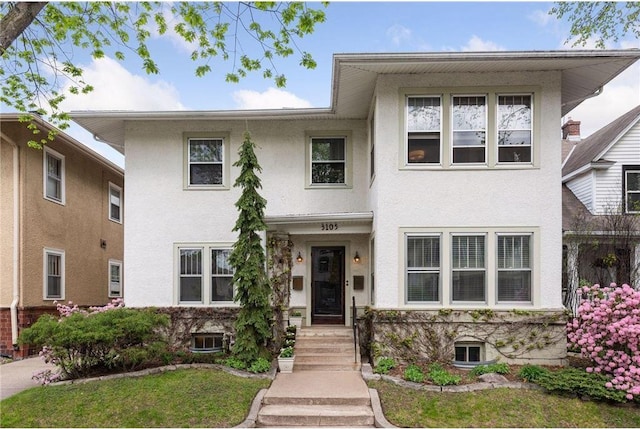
(17, 376)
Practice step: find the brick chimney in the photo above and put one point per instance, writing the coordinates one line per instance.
(571, 130)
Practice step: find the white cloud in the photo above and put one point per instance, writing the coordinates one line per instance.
(398, 34)
(477, 44)
(115, 88)
(542, 17)
(272, 98)
(619, 96)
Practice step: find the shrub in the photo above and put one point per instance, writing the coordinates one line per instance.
(235, 363)
(384, 365)
(498, 368)
(578, 382)
(441, 377)
(260, 365)
(286, 352)
(291, 328)
(83, 342)
(414, 373)
(531, 373)
(607, 331)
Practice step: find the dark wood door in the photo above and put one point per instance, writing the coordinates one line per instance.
(327, 285)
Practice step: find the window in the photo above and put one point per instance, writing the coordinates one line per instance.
(424, 130)
(204, 275)
(53, 274)
(469, 125)
(206, 342)
(514, 128)
(468, 352)
(468, 267)
(328, 160)
(53, 175)
(205, 162)
(514, 268)
(221, 275)
(423, 268)
(631, 189)
(115, 203)
(115, 279)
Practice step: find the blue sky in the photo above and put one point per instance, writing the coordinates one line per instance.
(362, 27)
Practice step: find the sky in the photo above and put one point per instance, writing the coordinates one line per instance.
(350, 27)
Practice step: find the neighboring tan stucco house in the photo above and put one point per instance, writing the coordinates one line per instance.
(427, 191)
(61, 210)
(601, 204)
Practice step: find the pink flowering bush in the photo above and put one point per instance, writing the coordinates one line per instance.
(607, 331)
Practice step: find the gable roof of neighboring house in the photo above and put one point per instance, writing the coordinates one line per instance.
(589, 152)
(574, 214)
(583, 74)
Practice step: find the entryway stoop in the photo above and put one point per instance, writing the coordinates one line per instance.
(325, 387)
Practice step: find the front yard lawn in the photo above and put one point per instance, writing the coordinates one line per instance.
(181, 398)
(498, 408)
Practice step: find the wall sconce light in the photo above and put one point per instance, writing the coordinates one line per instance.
(299, 257)
(356, 258)
(103, 243)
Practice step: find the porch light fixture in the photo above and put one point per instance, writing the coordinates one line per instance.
(299, 257)
(356, 258)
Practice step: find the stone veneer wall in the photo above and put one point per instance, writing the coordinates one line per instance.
(515, 337)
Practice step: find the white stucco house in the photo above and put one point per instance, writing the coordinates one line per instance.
(428, 191)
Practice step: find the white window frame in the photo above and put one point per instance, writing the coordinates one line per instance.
(46, 154)
(630, 169)
(204, 338)
(113, 187)
(528, 269)
(224, 138)
(309, 138)
(409, 132)
(205, 275)
(423, 270)
(530, 130)
(45, 273)
(467, 345)
(484, 130)
(115, 263)
(470, 269)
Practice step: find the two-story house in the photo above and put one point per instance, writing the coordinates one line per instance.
(601, 204)
(427, 191)
(61, 211)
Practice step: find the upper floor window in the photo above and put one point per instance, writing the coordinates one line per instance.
(54, 174)
(631, 188)
(115, 279)
(328, 160)
(424, 130)
(205, 275)
(423, 269)
(469, 127)
(514, 268)
(53, 274)
(468, 268)
(514, 128)
(205, 162)
(115, 203)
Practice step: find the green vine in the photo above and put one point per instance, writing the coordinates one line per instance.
(279, 263)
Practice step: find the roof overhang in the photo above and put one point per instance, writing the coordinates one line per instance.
(584, 73)
(321, 223)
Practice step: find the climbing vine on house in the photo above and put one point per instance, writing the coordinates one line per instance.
(279, 266)
(253, 292)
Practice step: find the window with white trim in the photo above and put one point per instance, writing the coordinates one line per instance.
(207, 342)
(631, 188)
(54, 176)
(53, 274)
(515, 132)
(115, 203)
(423, 268)
(115, 279)
(469, 352)
(424, 129)
(328, 160)
(514, 268)
(205, 161)
(468, 270)
(204, 275)
(469, 128)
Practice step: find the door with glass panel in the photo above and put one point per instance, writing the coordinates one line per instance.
(327, 285)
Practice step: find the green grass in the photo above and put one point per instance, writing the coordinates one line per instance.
(498, 408)
(181, 398)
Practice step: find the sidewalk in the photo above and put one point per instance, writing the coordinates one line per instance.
(16, 376)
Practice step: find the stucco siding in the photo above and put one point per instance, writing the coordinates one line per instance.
(8, 188)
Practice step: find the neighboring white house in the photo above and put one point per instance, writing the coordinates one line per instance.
(601, 184)
(430, 184)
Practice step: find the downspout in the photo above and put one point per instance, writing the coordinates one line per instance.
(16, 246)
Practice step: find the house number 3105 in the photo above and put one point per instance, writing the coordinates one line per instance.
(329, 227)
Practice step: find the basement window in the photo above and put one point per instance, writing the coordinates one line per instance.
(206, 343)
(469, 353)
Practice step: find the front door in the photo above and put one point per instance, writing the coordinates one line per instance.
(327, 285)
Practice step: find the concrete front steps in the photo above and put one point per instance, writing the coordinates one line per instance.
(325, 387)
